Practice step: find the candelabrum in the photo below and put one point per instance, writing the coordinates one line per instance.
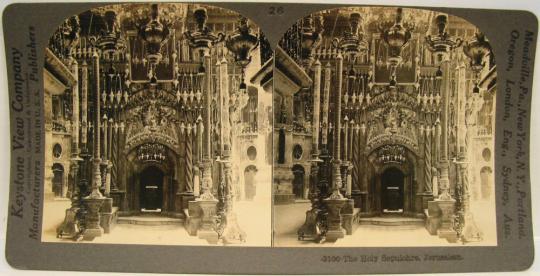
(353, 41)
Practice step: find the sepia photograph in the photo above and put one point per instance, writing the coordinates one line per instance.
(158, 127)
(384, 123)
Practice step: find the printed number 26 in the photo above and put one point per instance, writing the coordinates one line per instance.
(276, 10)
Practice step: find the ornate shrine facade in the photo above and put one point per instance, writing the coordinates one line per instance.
(386, 110)
(139, 104)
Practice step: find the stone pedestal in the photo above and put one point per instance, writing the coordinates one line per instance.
(207, 230)
(106, 215)
(446, 229)
(93, 228)
(335, 230)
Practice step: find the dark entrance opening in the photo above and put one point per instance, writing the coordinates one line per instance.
(298, 181)
(249, 181)
(58, 180)
(151, 193)
(392, 191)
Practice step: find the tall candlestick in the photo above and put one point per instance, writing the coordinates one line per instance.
(316, 106)
(326, 103)
(84, 101)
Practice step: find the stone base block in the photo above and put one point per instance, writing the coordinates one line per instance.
(284, 198)
(209, 235)
(106, 215)
(433, 217)
(334, 235)
(69, 229)
(449, 234)
(193, 217)
(310, 230)
(91, 234)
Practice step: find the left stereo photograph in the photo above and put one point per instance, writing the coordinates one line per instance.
(158, 127)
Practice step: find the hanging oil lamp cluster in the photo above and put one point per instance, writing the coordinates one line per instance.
(188, 90)
(429, 94)
(391, 154)
(114, 93)
(151, 152)
(358, 95)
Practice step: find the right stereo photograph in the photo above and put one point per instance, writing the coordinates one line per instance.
(384, 123)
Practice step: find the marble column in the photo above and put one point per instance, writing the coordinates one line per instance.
(94, 201)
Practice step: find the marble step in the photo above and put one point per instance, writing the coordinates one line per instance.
(392, 221)
(150, 220)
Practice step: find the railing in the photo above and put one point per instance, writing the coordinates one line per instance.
(59, 126)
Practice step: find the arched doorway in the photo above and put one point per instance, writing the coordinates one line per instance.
(298, 181)
(250, 189)
(58, 180)
(151, 193)
(392, 190)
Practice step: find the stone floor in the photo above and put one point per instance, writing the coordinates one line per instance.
(254, 218)
(288, 218)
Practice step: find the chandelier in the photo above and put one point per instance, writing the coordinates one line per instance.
(111, 42)
(202, 38)
(151, 152)
(397, 37)
(242, 42)
(442, 43)
(310, 37)
(476, 50)
(353, 41)
(155, 33)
